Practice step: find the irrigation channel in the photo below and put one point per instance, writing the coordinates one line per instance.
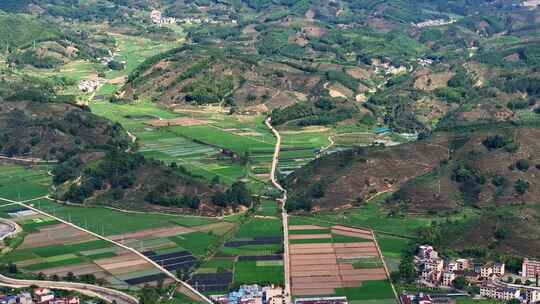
(284, 215)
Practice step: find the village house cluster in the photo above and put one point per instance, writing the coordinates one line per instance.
(40, 296)
(157, 18)
(90, 85)
(435, 22)
(420, 298)
(251, 294)
(437, 271)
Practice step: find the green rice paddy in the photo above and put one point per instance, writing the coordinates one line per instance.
(260, 227)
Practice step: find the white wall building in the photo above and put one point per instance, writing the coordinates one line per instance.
(499, 293)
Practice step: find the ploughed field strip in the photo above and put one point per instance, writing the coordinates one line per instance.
(328, 259)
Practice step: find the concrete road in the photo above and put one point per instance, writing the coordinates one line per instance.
(106, 294)
(284, 215)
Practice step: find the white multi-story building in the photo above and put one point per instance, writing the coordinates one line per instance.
(500, 293)
(530, 295)
(424, 251)
(429, 264)
(448, 278)
(463, 264)
(486, 270)
(489, 269)
(451, 266)
(499, 269)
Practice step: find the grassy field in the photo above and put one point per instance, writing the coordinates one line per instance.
(253, 272)
(268, 208)
(391, 246)
(196, 242)
(260, 227)
(22, 183)
(220, 138)
(370, 290)
(368, 216)
(108, 222)
(247, 250)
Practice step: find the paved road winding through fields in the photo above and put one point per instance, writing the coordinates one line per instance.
(284, 215)
(106, 294)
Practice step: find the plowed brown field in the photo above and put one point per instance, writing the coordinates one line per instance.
(319, 268)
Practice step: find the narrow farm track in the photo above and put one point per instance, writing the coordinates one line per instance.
(184, 287)
(284, 215)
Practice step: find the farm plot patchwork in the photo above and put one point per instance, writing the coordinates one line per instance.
(347, 260)
(291, 159)
(195, 141)
(197, 157)
(212, 282)
(57, 249)
(252, 256)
